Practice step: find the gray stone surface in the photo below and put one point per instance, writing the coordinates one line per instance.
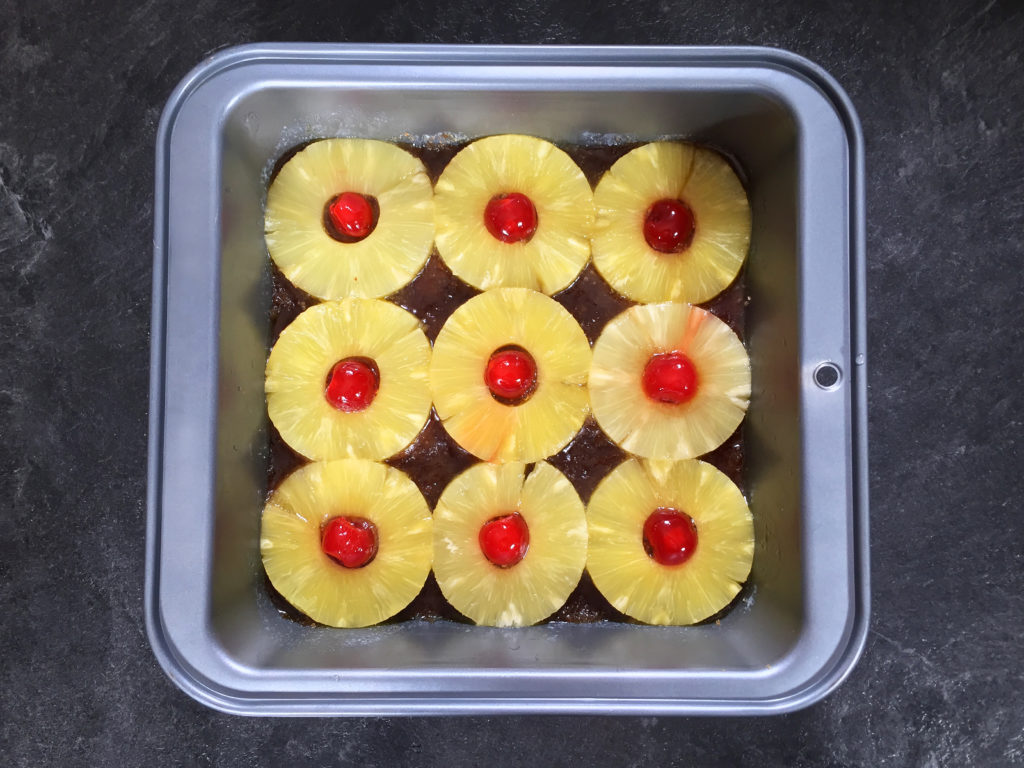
(940, 90)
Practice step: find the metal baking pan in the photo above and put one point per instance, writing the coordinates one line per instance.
(793, 131)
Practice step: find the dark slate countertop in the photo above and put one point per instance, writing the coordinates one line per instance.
(940, 92)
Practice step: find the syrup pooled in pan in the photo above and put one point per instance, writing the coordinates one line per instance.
(433, 459)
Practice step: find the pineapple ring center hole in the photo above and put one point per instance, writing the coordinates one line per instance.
(352, 384)
(669, 225)
(349, 217)
(351, 542)
(670, 536)
(511, 375)
(828, 375)
(504, 539)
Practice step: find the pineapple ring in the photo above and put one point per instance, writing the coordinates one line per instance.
(312, 581)
(380, 263)
(536, 586)
(630, 579)
(668, 170)
(661, 430)
(551, 416)
(497, 165)
(304, 356)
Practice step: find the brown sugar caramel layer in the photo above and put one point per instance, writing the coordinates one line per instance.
(433, 459)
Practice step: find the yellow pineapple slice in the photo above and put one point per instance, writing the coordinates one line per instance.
(669, 381)
(514, 211)
(509, 374)
(348, 379)
(673, 224)
(352, 511)
(670, 542)
(509, 546)
(388, 213)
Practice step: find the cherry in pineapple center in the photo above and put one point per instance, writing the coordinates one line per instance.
(352, 384)
(505, 539)
(511, 375)
(350, 216)
(511, 218)
(349, 541)
(670, 378)
(669, 226)
(670, 536)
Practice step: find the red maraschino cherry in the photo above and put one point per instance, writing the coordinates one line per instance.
(511, 218)
(350, 541)
(351, 215)
(352, 385)
(670, 378)
(505, 539)
(670, 536)
(511, 375)
(669, 226)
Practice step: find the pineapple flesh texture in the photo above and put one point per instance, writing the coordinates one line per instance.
(703, 180)
(556, 186)
(554, 413)
(631, 580)
(660, 430)
(386, 259)
(313, 582)
(540, 583)
(303, 357)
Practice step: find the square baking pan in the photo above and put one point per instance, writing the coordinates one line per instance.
(792, 130)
